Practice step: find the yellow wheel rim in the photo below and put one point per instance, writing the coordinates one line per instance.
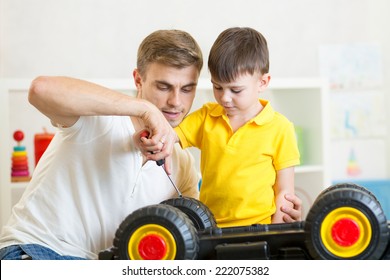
(152, 242)
(346, 232)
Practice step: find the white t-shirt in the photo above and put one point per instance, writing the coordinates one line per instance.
(86, 183)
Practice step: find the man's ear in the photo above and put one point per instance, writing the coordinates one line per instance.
(138, 82)
(264, 81)
(137, 79)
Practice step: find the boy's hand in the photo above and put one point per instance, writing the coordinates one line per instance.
(292, 214)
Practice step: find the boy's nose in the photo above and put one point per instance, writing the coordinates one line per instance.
(225, 97)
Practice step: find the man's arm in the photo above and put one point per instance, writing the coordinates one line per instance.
(63, 100)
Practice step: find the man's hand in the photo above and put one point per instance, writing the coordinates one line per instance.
(157, 139)
(292, 214)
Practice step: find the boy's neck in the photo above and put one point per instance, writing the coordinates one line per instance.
(239, 120)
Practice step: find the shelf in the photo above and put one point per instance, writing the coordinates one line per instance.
(309, 168)
(19, 185)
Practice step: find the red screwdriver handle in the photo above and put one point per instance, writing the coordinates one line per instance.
(146, 134)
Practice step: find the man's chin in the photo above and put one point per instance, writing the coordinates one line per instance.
(174, 123)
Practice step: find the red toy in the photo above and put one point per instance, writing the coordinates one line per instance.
(41, 141)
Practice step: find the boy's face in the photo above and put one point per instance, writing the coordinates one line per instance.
(172, 90)
(240, 97)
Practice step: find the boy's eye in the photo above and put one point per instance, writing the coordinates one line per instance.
(236, 90)
(217, 87)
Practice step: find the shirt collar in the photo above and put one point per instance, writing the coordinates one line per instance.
(265, 116)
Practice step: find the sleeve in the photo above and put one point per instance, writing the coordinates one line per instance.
(287, 153)
(187, 176)
(86, 129)
(190, 130)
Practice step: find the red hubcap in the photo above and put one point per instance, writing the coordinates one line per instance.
(152, 247)
(345, 232)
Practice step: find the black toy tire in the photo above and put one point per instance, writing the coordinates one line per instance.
(198, 213)
(347, 186)
(364, 208)
(181, 230)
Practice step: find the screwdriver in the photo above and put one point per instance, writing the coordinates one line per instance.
(161, 162)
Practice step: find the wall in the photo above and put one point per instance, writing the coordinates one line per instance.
(99, 38)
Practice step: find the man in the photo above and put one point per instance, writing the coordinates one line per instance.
(92, 176)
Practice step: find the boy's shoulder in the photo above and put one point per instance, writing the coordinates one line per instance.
(211, 108)
(269, 115)
(211, 105)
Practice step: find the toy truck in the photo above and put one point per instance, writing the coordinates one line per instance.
(345, 222)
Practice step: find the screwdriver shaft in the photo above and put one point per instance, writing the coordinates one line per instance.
(161, 162)
(173, 184)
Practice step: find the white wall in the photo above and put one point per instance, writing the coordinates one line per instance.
(99, 38)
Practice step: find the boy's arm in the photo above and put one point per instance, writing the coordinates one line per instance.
(284, 185)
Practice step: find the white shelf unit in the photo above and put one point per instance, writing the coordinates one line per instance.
(9, 192)
(303, 101)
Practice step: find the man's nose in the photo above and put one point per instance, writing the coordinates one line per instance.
(174, 98)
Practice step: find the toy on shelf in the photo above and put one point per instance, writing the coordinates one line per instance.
(41, 141)
(19, 169)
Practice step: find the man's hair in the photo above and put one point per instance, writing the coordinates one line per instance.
(237, 51)
(174, 48)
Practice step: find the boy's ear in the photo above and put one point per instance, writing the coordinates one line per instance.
(264, 81)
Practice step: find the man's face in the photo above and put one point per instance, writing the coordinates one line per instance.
(172, 90)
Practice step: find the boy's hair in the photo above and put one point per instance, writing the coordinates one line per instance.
(237, 51)
(174, 48)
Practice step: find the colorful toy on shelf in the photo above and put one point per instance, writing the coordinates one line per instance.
(41, 141)
(19, 168)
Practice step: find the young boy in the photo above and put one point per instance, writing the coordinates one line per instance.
(248, 151)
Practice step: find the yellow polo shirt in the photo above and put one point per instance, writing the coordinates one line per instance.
(239, 169)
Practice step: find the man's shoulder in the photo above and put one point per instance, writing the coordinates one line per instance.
(181, 156)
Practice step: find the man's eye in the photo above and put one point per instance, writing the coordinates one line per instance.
(163, 88)
(187, 89)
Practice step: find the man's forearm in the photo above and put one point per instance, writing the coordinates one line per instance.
(64, 100)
